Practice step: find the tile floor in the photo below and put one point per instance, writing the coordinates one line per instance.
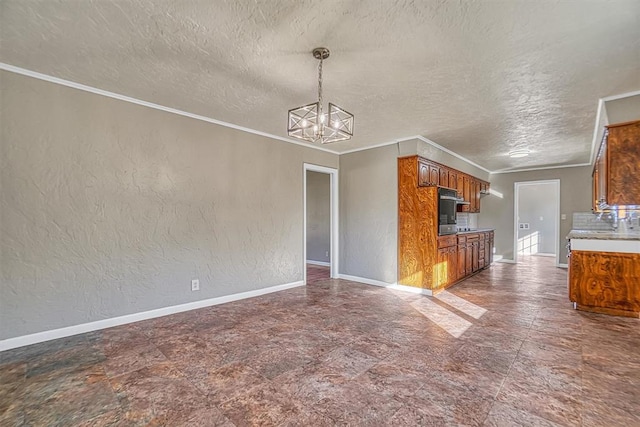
(316, 273)
(503, 348)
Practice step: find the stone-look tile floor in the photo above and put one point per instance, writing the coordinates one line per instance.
(503, 348)
(316, 273)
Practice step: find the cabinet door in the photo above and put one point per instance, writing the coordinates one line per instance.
(477, 196)
(462, 261)
(460, 185)
(453, 264)
(487, 251)
(466, 189)
(469, 259)
(472, 196)
(622, 165)
(434, 174)
(453, 180)
(444, 177)
(475, 256)
(423, 174)
(605, 279)
(442, 267)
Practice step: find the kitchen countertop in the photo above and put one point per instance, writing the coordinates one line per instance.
(475, 230)
(603, 235)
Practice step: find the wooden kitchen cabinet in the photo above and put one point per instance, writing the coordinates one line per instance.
(616, 176)
(426, 260)
(460, 185)
(434, 174)
(473, 200)
(423, 174)
(453, 180)
(444, 177)
(605, 282)
(468, 187)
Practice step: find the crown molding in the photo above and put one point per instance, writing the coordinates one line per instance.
(96, 91)
(540, 168)
(90, 89)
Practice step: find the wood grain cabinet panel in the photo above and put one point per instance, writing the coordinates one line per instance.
(605, 282)
(616, 176)
(417, 227)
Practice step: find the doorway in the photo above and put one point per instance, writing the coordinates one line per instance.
(320, 223)
(536, 219)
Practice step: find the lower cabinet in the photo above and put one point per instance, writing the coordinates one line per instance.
(462, 255)
(605, 282)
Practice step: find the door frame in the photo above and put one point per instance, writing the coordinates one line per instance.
(334, 246)
(516, 197)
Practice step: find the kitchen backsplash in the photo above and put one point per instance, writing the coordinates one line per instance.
(605, 221)
(466, 220)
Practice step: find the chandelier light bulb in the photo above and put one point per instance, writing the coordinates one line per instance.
(304, 123)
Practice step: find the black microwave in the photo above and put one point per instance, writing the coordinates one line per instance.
(447, 200)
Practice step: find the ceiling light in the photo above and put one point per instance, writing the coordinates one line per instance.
(519, 153)
(309, 122)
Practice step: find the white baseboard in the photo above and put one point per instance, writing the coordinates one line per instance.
(386, 285)
(560, 265)
(544, 254)
(24, 340)
(322, 263)
(497, 258)
(506, 261)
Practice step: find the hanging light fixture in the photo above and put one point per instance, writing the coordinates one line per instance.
(311, 123)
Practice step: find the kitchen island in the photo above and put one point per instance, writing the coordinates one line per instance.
(604, 272)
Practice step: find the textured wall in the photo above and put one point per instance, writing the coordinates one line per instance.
(110, 208)
(496, 212)
(537, 206)
(318, 216)
(368, 213)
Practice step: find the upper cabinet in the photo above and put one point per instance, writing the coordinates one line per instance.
(431, 174)
(616, 174)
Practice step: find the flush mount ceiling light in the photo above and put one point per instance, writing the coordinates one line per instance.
(519, 153)
(310, 123)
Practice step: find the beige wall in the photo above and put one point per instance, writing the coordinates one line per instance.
(318, 216)
(497, 212)
(368, 214)
(109, 208)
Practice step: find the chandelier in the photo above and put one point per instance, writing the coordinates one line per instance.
(310, 123)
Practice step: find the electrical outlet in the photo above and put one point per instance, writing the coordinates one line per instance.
(326, 253)
(195, 285)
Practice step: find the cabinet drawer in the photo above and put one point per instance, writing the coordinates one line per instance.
(446, 241)
(473, 237)
(462, 240)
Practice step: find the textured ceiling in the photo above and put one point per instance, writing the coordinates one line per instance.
(478, 77)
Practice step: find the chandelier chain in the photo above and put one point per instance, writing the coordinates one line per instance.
(320, 84)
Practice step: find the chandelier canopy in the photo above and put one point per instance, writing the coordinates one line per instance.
(310, 123)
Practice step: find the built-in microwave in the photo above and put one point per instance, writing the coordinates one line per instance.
(447, 200)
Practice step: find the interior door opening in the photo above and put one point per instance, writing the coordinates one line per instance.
(536, 219)
(320, 223)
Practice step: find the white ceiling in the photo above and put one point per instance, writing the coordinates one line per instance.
(480, 78)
